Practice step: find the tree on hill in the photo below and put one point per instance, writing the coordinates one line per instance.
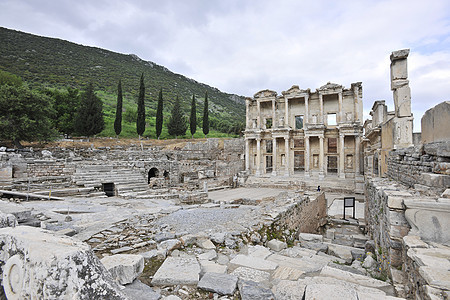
(89, 119)
(9, 79)
(118, 120)
(206, 116)
(25, 115)
(65, 104)
(193, 118)
(159, 115)
(140, 122)
(177, 124)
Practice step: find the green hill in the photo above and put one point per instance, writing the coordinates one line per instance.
(55, 63)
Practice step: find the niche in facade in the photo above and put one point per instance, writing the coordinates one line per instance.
(154, 172)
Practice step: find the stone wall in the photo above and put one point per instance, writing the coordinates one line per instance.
(426, 166)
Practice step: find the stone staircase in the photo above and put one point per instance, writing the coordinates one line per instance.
(127, 183)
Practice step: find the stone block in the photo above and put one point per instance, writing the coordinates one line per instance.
(329, 291)
(435, 180)
(343, 252)
(287, 273)
(169, 245)
(250, 290)
(48, 266)
(429, 220)
(395, 202)
(436, 277)
(276, 245)
(250, 274)
(306, 264)
(289, 290)
(414, 241)
(210, 255)
(318, 247)
(223, 284)
(258, 251)
(309, 237)
(7, 220)
(205, 244)
(124, 268)
(212, 267)
(177, 270)
(435, 123)
(139, 291)
(253, 262)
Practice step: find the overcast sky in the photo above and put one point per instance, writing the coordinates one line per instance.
(242, 47)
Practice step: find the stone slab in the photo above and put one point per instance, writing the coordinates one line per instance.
(258, 251)
(140, 291)
(329, 291)
(436, 277)
(223, 284)
(250, 290)
(309, 237)
(276, 245)
(249, 274)
(289, 290)
(254, 262)
(212, 267)
(177, 270)
(124, 268)
(305, 265)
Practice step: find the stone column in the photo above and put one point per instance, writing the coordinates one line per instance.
(341, 157)
(273, 114)
(307, 158)
(247, 155)
(247, 113)
(274, 157)
(259, 125)
(306, 109)
(321, 157)
(321, 108)
(258, 157)
(340, 114)
(400, 83)
(356, 160)
(286, 111)
(286, 147)
(355, 102)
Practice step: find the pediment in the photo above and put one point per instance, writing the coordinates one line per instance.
(265, 94)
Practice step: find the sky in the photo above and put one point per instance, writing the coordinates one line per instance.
(244, 46)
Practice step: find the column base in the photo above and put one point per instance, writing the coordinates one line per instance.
(286, 173)
(307, 174)
(258, 173)
(342, 175)
(274, 173)
(321, 175)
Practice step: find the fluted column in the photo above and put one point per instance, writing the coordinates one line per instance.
(306, 109)
(321, 157)
(247, 113)
(286, 112)
(307, 158)
(258, 156)
(340, 114)
(273, 114)
(247, 154)
(321, 108)
(259, 125)
(274, 157)
(341, 157)
(356, 161)
(286, 147)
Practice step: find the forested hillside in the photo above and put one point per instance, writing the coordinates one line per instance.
(54, 63)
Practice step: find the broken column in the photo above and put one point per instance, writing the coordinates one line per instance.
(402, 99)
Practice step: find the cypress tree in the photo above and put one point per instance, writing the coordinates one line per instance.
(140, 122)
(193, 119)
(118, 120)
(177, 124)
(89, 120)
(159, 115)
(206, 116)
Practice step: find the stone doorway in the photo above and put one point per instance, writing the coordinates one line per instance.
(109, 189)
(299, 160)
(332, 166)
(154, 172)
(269, 163)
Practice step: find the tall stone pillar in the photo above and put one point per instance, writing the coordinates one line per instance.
(286, 147)
(286, 112)
(357, 157)
(403, 128)
(340, 114)
(259, 125)
(306, 109)
(341, 156)
(274, 115)
(321, 157)
(307, 154)
(258, 156)
(247, 112)
(356, 102)
(247, 155)
(274, 157)
(321, 108)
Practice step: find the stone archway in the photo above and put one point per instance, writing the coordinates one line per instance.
(153, 172)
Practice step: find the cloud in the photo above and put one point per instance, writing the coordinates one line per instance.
(244, 46)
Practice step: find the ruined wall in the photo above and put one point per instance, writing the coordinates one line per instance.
(426, 166)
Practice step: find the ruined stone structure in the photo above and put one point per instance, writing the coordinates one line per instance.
(314, 134)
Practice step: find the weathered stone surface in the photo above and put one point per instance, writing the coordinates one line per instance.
(223, 284)
(309, 237)
(177, 270)
(343, 252)
(205, 244)
(7, 220)
(435, 123)
(37, 264)
(276, 245)
(124, 268)
(287, 273)
(319, 247)
(305, 265)
(212, 267)
(436, 277)
(169, 245)
(258, 251)
(250, 290)
(253, 262)
(139, 291)
(160, 237)
(369, 262)
(250, 274)
(289, 290)
(210, 255)
(21, 213)
(328, 291)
